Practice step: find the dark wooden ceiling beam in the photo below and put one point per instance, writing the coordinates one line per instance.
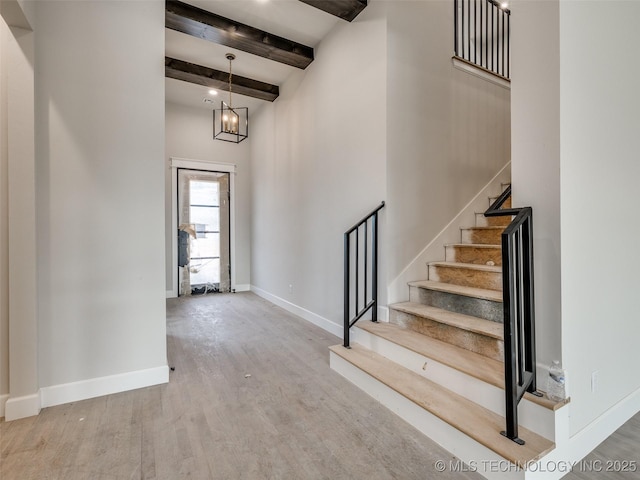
(345, 9)
(203, 24)
(208, 77)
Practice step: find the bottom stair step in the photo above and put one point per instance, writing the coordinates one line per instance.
(471, 419)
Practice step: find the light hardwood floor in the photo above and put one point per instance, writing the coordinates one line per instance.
(251, 397)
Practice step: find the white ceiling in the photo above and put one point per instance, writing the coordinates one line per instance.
(290, 19)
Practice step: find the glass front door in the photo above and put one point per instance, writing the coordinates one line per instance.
(203, 232)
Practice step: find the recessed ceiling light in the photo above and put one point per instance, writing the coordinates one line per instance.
(213, 92)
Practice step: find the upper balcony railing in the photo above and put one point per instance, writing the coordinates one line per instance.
(482, 30)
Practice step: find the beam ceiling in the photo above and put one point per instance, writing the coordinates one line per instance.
(345, 9)
(203, 24)
(208, 77)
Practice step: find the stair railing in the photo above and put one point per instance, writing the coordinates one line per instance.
(482, 30)
(518, 304)
(365, 261)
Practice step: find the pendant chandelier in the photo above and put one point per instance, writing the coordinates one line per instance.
(230, 124)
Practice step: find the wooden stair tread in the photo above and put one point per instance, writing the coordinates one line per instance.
(483, 293)
(470, 418)
(459, 320)
(469, 266)
(473, 364)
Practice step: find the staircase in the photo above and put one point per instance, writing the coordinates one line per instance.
(437, 363)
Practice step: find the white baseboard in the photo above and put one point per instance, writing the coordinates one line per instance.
(571, 452)
(97, 387)
(3, 401)
(383, 314)
(243, 288)
(16, 408)
(309, 316)
(171, 294)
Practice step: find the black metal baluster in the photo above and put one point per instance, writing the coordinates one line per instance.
(455, 28)
(475, 33)
(469, 30)
(481, 34)
(511, 390)
(347, 299)
(493, 8)
(366, 258)
(502, 42)
(530, 302)
(486, 36)
(374, 268)
(508, 46)
(357, 289)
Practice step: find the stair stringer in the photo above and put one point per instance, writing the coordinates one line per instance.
(435, 250)
(532, 416)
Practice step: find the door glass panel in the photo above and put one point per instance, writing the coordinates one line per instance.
(206, 246)
(205, 272)
(205, 193)
(203, 213)
(208, 216)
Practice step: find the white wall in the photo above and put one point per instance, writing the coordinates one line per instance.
(599, 105)
(575, 150)
(381, 114)
(535, 167)
(4, 220)
(21, 225)
(448, 131)
(318, 165)
(100, 178)
(189, 135)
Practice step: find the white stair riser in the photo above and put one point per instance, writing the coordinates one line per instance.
(450, 438)
(532, 416)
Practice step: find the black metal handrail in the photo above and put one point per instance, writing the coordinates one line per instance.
(368, 263)
(519, 311)
(482, 30)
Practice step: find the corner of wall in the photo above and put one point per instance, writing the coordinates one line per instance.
(4, 228)
(3, 402)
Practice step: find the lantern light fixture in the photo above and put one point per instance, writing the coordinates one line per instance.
(230, 124)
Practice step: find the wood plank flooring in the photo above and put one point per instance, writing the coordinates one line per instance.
(617, 458)
(251, 397)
